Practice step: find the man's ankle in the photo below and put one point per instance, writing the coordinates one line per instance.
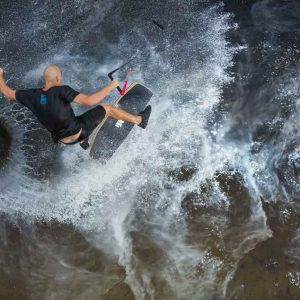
(139, 120)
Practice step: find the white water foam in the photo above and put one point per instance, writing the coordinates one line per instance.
(129, 193)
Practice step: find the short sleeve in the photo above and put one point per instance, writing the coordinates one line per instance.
(68, 94)
(24, 96)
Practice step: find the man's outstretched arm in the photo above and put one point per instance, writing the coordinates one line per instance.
(96, 98)
(6, 90)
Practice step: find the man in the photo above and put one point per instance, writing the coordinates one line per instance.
(51, 105)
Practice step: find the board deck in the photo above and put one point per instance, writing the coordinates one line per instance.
(111, 133)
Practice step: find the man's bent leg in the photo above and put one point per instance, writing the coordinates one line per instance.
(120, 114)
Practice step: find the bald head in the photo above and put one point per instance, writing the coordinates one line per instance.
(52, 75)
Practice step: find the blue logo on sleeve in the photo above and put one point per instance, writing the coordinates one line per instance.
(43, 99)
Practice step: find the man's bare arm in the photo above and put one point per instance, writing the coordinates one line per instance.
(5, 89)
(96, 98)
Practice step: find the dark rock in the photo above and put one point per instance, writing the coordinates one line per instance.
(119, 291)
(149, 257)
(184, 173)
(288, 169)
(239, 210)
(194, 207)
(71, 242)
(265, 272)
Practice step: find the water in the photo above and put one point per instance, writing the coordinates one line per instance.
(190, 207)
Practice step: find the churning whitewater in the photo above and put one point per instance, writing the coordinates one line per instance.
(179, 204)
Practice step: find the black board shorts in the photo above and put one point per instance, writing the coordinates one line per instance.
(90, 120)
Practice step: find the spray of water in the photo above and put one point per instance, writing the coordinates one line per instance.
(131, 207)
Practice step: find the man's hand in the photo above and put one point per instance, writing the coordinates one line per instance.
(8, 92)
(113, 84)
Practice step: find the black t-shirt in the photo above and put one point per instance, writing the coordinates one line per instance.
(53, 109)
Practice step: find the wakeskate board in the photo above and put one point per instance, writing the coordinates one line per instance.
(110, 134)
